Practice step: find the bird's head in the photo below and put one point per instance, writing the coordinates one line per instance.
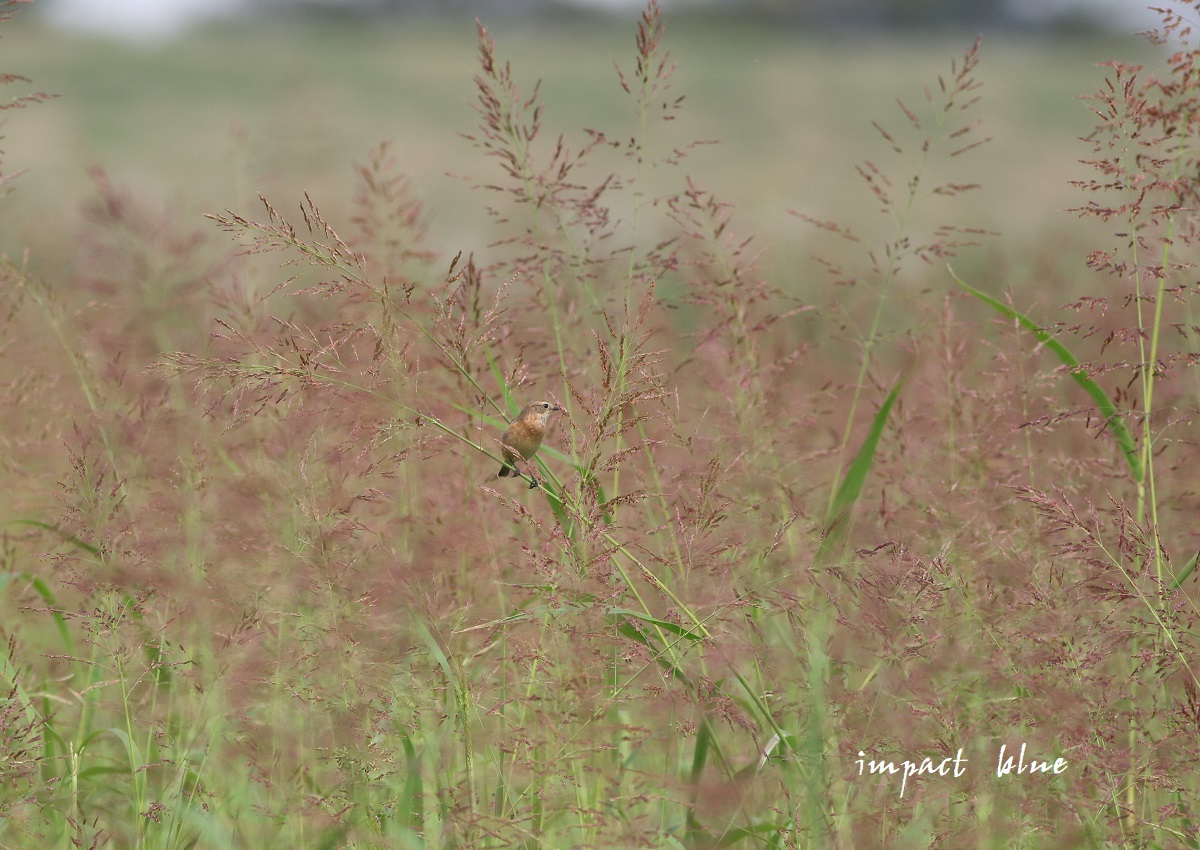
(538, 412)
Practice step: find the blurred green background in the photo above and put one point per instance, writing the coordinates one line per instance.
(202, 123)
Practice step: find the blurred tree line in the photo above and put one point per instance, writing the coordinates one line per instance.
(836, 13)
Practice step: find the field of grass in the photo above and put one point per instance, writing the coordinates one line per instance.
(833, 545)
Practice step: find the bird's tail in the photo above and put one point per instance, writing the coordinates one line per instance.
(506, 471)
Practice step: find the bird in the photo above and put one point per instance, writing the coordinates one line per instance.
(523, 437)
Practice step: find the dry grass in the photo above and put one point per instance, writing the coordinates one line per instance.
(261, 587)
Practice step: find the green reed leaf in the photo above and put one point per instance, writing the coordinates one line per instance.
(1112, 417)
(834, 529)
(1188, 569)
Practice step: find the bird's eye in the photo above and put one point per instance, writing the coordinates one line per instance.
(545, 406)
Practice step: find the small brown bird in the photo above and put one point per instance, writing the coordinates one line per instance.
(524, 437)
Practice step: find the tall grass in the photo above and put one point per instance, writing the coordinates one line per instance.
(261, 587)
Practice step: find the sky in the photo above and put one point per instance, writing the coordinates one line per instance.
(155, 20)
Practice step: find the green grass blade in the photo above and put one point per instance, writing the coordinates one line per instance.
(554, 500)
(43, 590)
(498, 377)
(435, 650)
(1188, 569)
(615, 614)
(1112, 418)
(63, 535)
(834, 530)
(631, 632)
(704, 737)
